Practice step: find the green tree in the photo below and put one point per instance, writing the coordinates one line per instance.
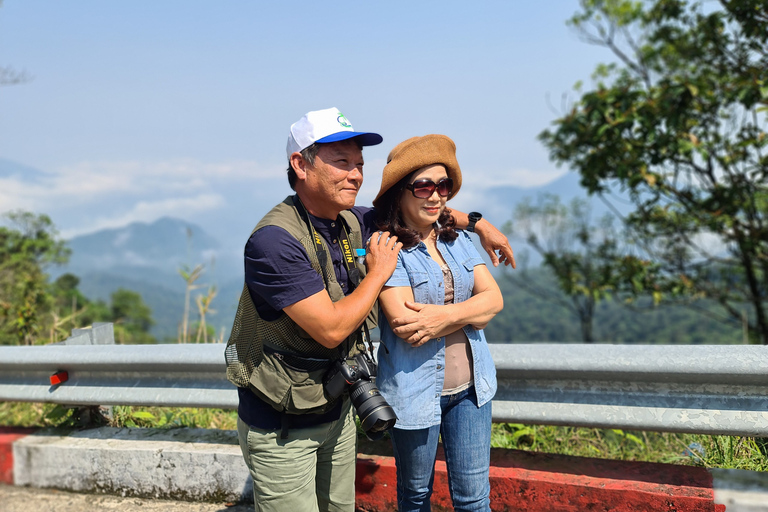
(132, 318)
(590, 261)
(678, 127)
(27, 248)
(70, 308)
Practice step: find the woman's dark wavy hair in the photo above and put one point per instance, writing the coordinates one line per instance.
(389, 217)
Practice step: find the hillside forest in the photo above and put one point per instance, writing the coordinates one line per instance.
(37, 310)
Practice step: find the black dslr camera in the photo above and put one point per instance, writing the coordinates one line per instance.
(358, 374)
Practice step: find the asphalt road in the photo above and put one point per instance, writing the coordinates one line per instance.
(26, 499)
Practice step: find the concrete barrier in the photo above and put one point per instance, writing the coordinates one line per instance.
(199, 464)
(7, 437)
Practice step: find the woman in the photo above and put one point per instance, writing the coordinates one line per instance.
(435, 368)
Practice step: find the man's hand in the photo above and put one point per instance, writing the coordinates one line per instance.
(329, 323)
(381, 252)
(494, 240)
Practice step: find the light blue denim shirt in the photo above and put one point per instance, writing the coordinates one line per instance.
(411, 379)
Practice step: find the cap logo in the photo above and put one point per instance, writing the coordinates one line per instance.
(343, 121)
(324, 126)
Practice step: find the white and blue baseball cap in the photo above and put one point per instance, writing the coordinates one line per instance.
(322, 126)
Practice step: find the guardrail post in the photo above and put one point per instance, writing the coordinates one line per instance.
(100, 333)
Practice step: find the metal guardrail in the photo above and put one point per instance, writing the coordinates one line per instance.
(706, 389)
(699, 389)
(152, 375)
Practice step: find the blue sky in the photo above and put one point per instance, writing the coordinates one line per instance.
(141, 109)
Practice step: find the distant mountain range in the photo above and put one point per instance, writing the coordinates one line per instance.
(147, 258)
(164, 245)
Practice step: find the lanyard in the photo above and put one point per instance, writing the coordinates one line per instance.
(353, 272)
(349, 260)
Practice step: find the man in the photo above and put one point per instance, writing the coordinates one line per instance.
(307, 303)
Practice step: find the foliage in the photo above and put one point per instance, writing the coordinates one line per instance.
(205, 331)
(131, 316)
(71, 309)
(730, 452)
(190, 276)
(689, 449)
(527, 317)
(26, 250)
(32, 311)
(49, 415)
(678, 126)
(591, 261)
(160, 417)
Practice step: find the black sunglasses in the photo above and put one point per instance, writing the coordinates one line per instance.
(424, 188)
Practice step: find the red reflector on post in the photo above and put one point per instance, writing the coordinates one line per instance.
(59, 378)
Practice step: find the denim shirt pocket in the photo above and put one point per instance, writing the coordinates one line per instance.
(419, 285)
(469, 266)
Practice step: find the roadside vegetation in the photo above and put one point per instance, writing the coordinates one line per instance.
(732, 452)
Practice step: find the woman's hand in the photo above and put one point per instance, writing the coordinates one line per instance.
(427, 322)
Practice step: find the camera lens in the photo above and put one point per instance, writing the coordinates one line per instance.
(376, 415)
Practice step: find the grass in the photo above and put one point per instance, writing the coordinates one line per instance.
(734, 452)
(21, 414)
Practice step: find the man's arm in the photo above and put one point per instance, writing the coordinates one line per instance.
(491, 239)
(330, 323)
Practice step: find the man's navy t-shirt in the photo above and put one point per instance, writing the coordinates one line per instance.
(278, 273)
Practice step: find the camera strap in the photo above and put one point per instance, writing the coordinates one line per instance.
(322, 254)
(349, 260)
(354, 277)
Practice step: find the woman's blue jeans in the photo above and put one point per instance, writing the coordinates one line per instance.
(466, 434)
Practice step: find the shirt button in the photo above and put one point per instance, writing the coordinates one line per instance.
(439, 367)
(437, 395)
(334, 241)
(439, 284)
(333, 224)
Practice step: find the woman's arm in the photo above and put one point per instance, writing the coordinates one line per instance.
(485, 280)
(417, 323)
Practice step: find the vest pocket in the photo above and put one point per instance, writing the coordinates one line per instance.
(289, 390)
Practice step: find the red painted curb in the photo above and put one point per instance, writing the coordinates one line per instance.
(540, 482)
(535, 482)
(7, 436)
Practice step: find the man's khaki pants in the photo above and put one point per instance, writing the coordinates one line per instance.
(313, 470)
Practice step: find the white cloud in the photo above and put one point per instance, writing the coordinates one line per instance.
(84, 180)
(16, 195)
(175, 175)
(149, 211)
(88, 196)
(523, 178)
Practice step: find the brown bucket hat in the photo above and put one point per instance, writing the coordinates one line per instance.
(415, 153)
